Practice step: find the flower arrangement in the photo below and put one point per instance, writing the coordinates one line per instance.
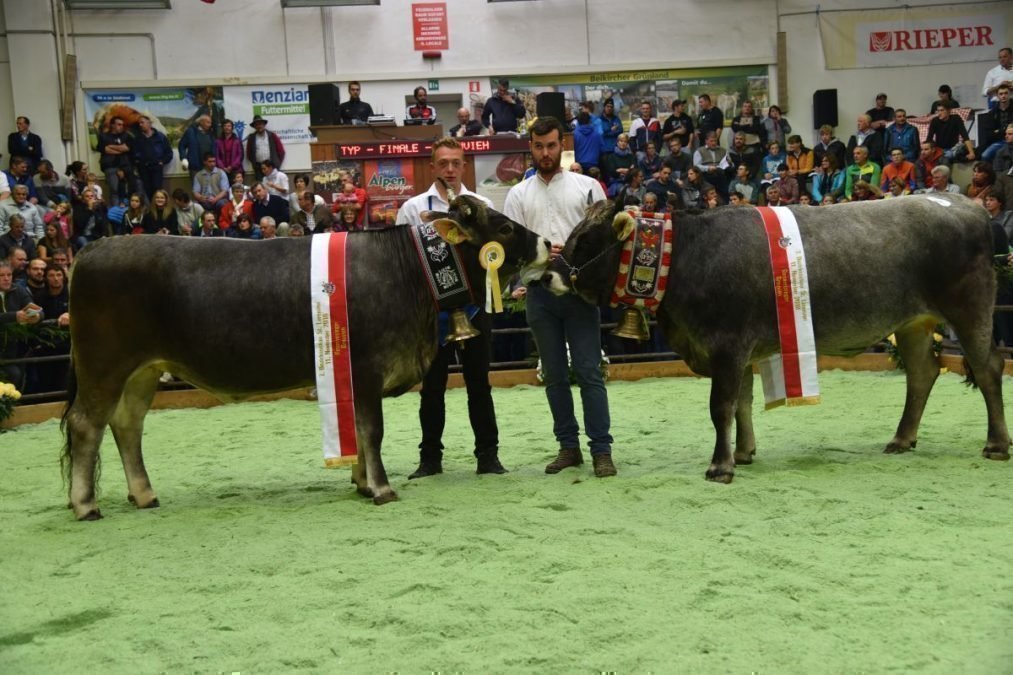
(9, 396)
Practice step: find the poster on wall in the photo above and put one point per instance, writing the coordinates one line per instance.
(328, 175)
(727, 87)
(287, 111)
(389, 183)
(171, 110)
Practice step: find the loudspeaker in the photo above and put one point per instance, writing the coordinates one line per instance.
(324, 100)
(824, 107)
(551, 104)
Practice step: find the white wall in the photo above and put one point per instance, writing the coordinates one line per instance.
(255, 41)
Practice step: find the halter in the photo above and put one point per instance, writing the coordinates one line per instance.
(575, 270)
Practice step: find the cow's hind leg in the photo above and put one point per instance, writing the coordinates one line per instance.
(369, 435)
(745, 441)
(726, 384)
(986, 365)
(914, 344)
(127, 424)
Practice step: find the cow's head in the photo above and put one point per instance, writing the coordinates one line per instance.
(471, 224)
(590, 258)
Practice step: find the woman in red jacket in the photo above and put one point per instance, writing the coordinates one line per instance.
(229, 150)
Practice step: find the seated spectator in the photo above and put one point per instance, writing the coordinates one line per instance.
(300, 184)
(740, 153)
(900, 168)
(237, 204)
(17, 237)
(828, 200)
(828, 179)
(941, 181)
(996, 206)
(161, 217)
(20, 205)
(736, 199)
(711, 198)
(1000, 117)
(787, 185)
(768, 165)
(35, 281)
(867, 137)
(595, 172)
(805, 199)
(982, 181)
(14, 301)
(352, 196)
(575, 168)
(587, 143)
(863, 192)
(694, 187)
(268, 228)
(898, 187)
(650, 162)
(347, 220)
(465, 125)
(90, 222)
(744, 186)
(60, 216)
(928, 159)
(772, 196)
(421, 110)
(296, 230)
(54, 240)
(902, 135)
(618, 163)
(50, 186)
(863, 168)
(315, 218)
(775, 126)
(52, 375)
(651, 203)
(210, 185)
(799, 160)
(77, 178)
(829, 144)
(133, 218)
(20, 175)
(662, 185)
(945, 100)
(209, 226)
(712, 161)
(244, 229)
(1003, 161)
(94, 186)
(273, 179)
(750, 124)
(949, 134)
(188, 213)
(635, 185)
(677, 159)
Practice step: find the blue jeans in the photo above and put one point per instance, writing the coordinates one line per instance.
(991, 151)
(556, 321)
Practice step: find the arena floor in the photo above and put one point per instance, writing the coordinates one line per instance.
(824, 556)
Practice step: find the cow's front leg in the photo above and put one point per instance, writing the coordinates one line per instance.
(745, 441)
(369, 434)
(726, 384)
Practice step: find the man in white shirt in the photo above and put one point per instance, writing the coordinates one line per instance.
(274, 180)
(552, 203)
(448, 163)
(1001, 74)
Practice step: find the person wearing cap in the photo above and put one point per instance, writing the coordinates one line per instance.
(263, 145)
(678, 125)
(611, 127)
(196, 142)
(881, 115)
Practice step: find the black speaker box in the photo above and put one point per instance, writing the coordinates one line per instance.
(551, 104)
(824, 107)
(324, 100)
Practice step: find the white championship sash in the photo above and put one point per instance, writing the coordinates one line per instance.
(332, 348)
(790, 377)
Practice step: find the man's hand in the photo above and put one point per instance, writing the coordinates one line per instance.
(519, 292)
(64, 320)
(557, 249)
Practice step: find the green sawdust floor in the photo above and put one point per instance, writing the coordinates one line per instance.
(824, 556)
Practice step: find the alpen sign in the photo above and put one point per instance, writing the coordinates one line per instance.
(915, 36)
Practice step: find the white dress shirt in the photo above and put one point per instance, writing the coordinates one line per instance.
(994, 78)
(279, 179)
(411, 211)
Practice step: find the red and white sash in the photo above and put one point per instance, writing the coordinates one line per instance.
(790, 377)
(332, 348)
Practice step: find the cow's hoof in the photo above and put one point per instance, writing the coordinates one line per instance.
(998, 454)
(742, 458)
(364, 490)
(152, 504)
(719, 475)
(93, 514)
(384, 497)
(896, 447)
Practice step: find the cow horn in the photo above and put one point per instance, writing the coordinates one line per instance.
(623, 225)
(451, 195)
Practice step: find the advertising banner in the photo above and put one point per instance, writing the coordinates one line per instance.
(915, 36)
(287, 111)
(388, 183)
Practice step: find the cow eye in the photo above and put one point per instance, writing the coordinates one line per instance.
(506, 230)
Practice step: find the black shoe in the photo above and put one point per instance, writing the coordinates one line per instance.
(490, 465)
(566, 458)
(430, 468)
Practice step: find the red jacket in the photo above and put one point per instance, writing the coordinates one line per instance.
(229, 153)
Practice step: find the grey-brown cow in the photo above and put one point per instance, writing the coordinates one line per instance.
(875, 268)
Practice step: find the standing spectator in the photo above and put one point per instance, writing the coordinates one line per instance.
(16, 236)
(643, 130)
(1000, 117)
(421, 110)
(502, 112)
(708, 120)
(611, 127)
(903, 136)
(90, 222)
(945, 100)
(996, 77)
(829, 144)
(900, 168)
(465, 125)
(161, 216)
(197, 141)
(152, 153)
(776, 125)
(23, 143)
(114, 150)
(928, 159)
(949, 134)
(188, 212)
(750, 124)
(50, 186)
(880, 117)
(274, 179)
(678, 125)
(587, 141)
(229, 150)
(266, 204)
(316, 218)
(862, 169)
(352, 111)
(551, 204)
(210, 185)
(263, 146)
(866, 137)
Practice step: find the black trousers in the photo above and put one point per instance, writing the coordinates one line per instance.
(474, 355)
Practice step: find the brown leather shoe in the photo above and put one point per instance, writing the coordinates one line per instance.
(603, 466)
(566, 458)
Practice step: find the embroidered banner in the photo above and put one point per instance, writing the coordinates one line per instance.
(332, 349)
(789, 377)
(442, 266)
(644, 263)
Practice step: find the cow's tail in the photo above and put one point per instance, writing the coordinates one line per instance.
(67, 457)
(968, 374)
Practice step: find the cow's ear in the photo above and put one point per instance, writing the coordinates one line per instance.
(450, 231)
(430, 216)
(623, 225)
